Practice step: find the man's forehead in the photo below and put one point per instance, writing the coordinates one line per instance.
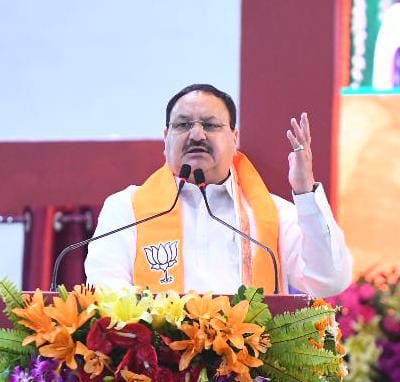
(199, 102)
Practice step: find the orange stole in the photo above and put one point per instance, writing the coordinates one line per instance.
(266, 217)
(157, 194)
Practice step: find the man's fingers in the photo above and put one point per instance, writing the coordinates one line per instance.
(292, 139)
(298, 131)
(305, 125)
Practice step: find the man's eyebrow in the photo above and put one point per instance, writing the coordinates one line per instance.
(189, 117)
(211, 117)
(183, 116)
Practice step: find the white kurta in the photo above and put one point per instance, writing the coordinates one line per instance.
(314, 256)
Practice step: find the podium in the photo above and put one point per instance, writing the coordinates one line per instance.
(277, 304)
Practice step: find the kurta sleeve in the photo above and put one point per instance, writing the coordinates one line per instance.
(312, 246)
(110, 260)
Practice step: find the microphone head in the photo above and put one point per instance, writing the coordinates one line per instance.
(185, 171)
(199, 177)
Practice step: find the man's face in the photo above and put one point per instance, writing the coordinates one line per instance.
(211, 149)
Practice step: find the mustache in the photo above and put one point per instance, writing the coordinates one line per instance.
(198, 145)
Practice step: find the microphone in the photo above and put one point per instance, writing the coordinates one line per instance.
(183, 175)
(201, 183)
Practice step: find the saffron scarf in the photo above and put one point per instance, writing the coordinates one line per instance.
(159, 259)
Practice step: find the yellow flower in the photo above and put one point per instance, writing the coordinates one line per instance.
(34, 317)
(63, 348)
(66, 313)
(124, 307)
(170, 308)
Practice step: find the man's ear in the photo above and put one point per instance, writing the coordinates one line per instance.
(165, 141)
(236, 138)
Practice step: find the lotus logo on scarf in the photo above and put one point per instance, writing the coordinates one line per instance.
(163, 257)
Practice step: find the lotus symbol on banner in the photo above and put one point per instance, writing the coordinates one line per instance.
(163, 257)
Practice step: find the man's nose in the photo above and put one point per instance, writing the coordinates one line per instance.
(197, 132)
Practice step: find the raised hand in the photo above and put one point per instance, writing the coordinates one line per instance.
(301, 176)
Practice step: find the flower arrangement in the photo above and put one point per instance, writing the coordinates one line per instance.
(130, 335)
(370, 322)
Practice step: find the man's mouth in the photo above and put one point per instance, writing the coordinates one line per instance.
(194, 150)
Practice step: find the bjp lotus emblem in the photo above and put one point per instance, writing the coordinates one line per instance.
(162, 257)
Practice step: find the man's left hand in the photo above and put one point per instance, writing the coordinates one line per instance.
(301, 176)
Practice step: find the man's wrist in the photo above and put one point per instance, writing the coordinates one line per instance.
(312, 189)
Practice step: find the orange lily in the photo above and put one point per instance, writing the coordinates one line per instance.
(258, 341)
(209, 334)
(238, 363)
(244, 362)
(34, 317)
(204, 307)
(95, 361)
(63, 348)
(192, 346)
(66, 313)
(228, 355)
(86, 296)
(232, 328)
(128, 376)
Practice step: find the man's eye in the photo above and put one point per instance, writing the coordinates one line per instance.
(209, 126)
(183, 125)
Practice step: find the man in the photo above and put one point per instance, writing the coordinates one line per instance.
(186, 249)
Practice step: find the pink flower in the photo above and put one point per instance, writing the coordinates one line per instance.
(349, 298)
(346, 326)
(391, 325)
(366, 312)
(366, 292)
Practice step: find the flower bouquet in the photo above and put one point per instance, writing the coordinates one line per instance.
(131, 335)
(370, 321)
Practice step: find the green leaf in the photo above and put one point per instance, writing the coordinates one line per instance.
(318, 360)
(239, 296)
(310, 315)
(278, 373)
(11, 342)
(9, 361)
(4, 372)
(254, 294)
(291, 357)
(294, 332)
(12, 298)
(62, 292)
(203, 377)
(258, 313)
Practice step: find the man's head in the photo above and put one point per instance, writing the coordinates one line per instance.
(200, 131)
